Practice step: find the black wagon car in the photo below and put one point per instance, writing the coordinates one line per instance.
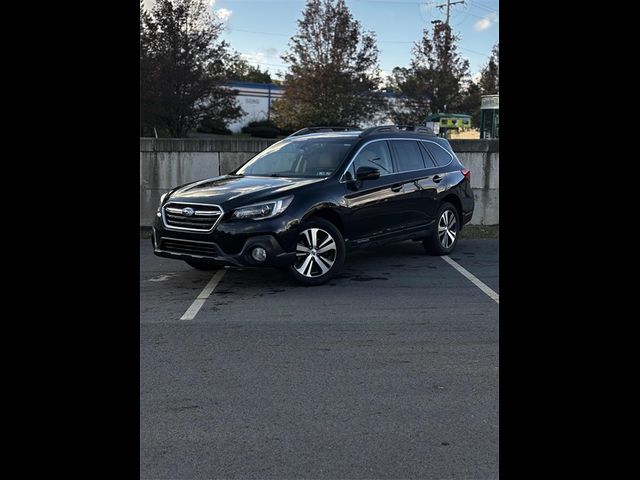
(303, 202)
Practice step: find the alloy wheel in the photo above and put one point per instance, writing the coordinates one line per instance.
(315, 252)
(447, 229)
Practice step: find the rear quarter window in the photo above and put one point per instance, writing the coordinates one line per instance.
(438, 154)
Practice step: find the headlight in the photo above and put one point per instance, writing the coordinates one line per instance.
(260, 211)
(162, 199)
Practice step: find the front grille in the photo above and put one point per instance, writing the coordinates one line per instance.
(204, 217)
(190, 247)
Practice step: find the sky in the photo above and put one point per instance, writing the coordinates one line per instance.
(260, 29)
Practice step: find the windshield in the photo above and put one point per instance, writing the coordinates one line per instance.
(299, 158)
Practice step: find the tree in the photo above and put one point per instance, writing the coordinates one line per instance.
(469, 103)
(240, 69)
(333, 70)
(434, 82)
(183, 67)
(146, 68)
(489, 79)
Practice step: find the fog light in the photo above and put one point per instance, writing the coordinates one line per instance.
(259, 254)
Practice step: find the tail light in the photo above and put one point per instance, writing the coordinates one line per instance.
(467, 173)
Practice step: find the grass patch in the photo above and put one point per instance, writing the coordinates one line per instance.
(480, 231)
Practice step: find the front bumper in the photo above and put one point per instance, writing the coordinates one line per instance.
(276, 257)
(230, 243)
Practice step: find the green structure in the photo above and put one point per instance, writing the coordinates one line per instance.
(441, 123)
(489, 116)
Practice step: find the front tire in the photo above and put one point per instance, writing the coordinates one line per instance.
(447, 230)
(199, 264)
(320, 252)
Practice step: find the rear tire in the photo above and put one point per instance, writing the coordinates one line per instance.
(320, 252)
(201, 264)
(447, 231)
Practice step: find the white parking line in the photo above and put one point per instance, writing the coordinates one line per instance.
(493, 295)
(195, 307)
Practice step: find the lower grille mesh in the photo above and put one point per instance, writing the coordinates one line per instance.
(187, 247)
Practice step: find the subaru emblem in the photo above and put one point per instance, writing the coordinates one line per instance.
(188, 211)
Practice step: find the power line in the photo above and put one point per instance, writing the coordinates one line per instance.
(407, 42)
(231, 29)
(255, 31)
(473, 51)
(390, 2)
(478, 16)
(433, 4)
(378, 40)
(482, 6)
(448, 5)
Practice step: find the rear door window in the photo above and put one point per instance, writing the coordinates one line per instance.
(407, 155)
(376, 155)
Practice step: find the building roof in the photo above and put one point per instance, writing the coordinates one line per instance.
(264, 86)
(438, 116)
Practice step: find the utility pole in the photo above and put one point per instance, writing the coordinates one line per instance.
(448, 5)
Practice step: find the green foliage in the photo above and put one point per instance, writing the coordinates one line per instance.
(262, 123)
(264, 129)
(469, 102)
(240, 70)
(489, 80)
(183, 67)
(262, 132)
(333, 69)
(213, 125)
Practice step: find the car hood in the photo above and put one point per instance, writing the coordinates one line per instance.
(237, 190)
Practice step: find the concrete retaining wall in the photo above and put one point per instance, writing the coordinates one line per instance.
(482, 157)
(166, 163)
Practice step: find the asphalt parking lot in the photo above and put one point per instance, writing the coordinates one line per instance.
(389, 371)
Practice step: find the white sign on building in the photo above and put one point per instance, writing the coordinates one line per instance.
(255, 99)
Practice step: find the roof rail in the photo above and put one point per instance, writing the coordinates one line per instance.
(308, 130)
(398, 128)
(417, 129)
(380, 129)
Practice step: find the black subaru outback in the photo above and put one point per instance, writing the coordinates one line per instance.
(304, 201)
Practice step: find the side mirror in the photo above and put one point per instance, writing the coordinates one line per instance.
(367, 173)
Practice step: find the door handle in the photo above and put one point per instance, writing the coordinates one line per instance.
(437, 178)
(396, 188)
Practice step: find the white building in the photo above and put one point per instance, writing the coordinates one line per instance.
(255, 99)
